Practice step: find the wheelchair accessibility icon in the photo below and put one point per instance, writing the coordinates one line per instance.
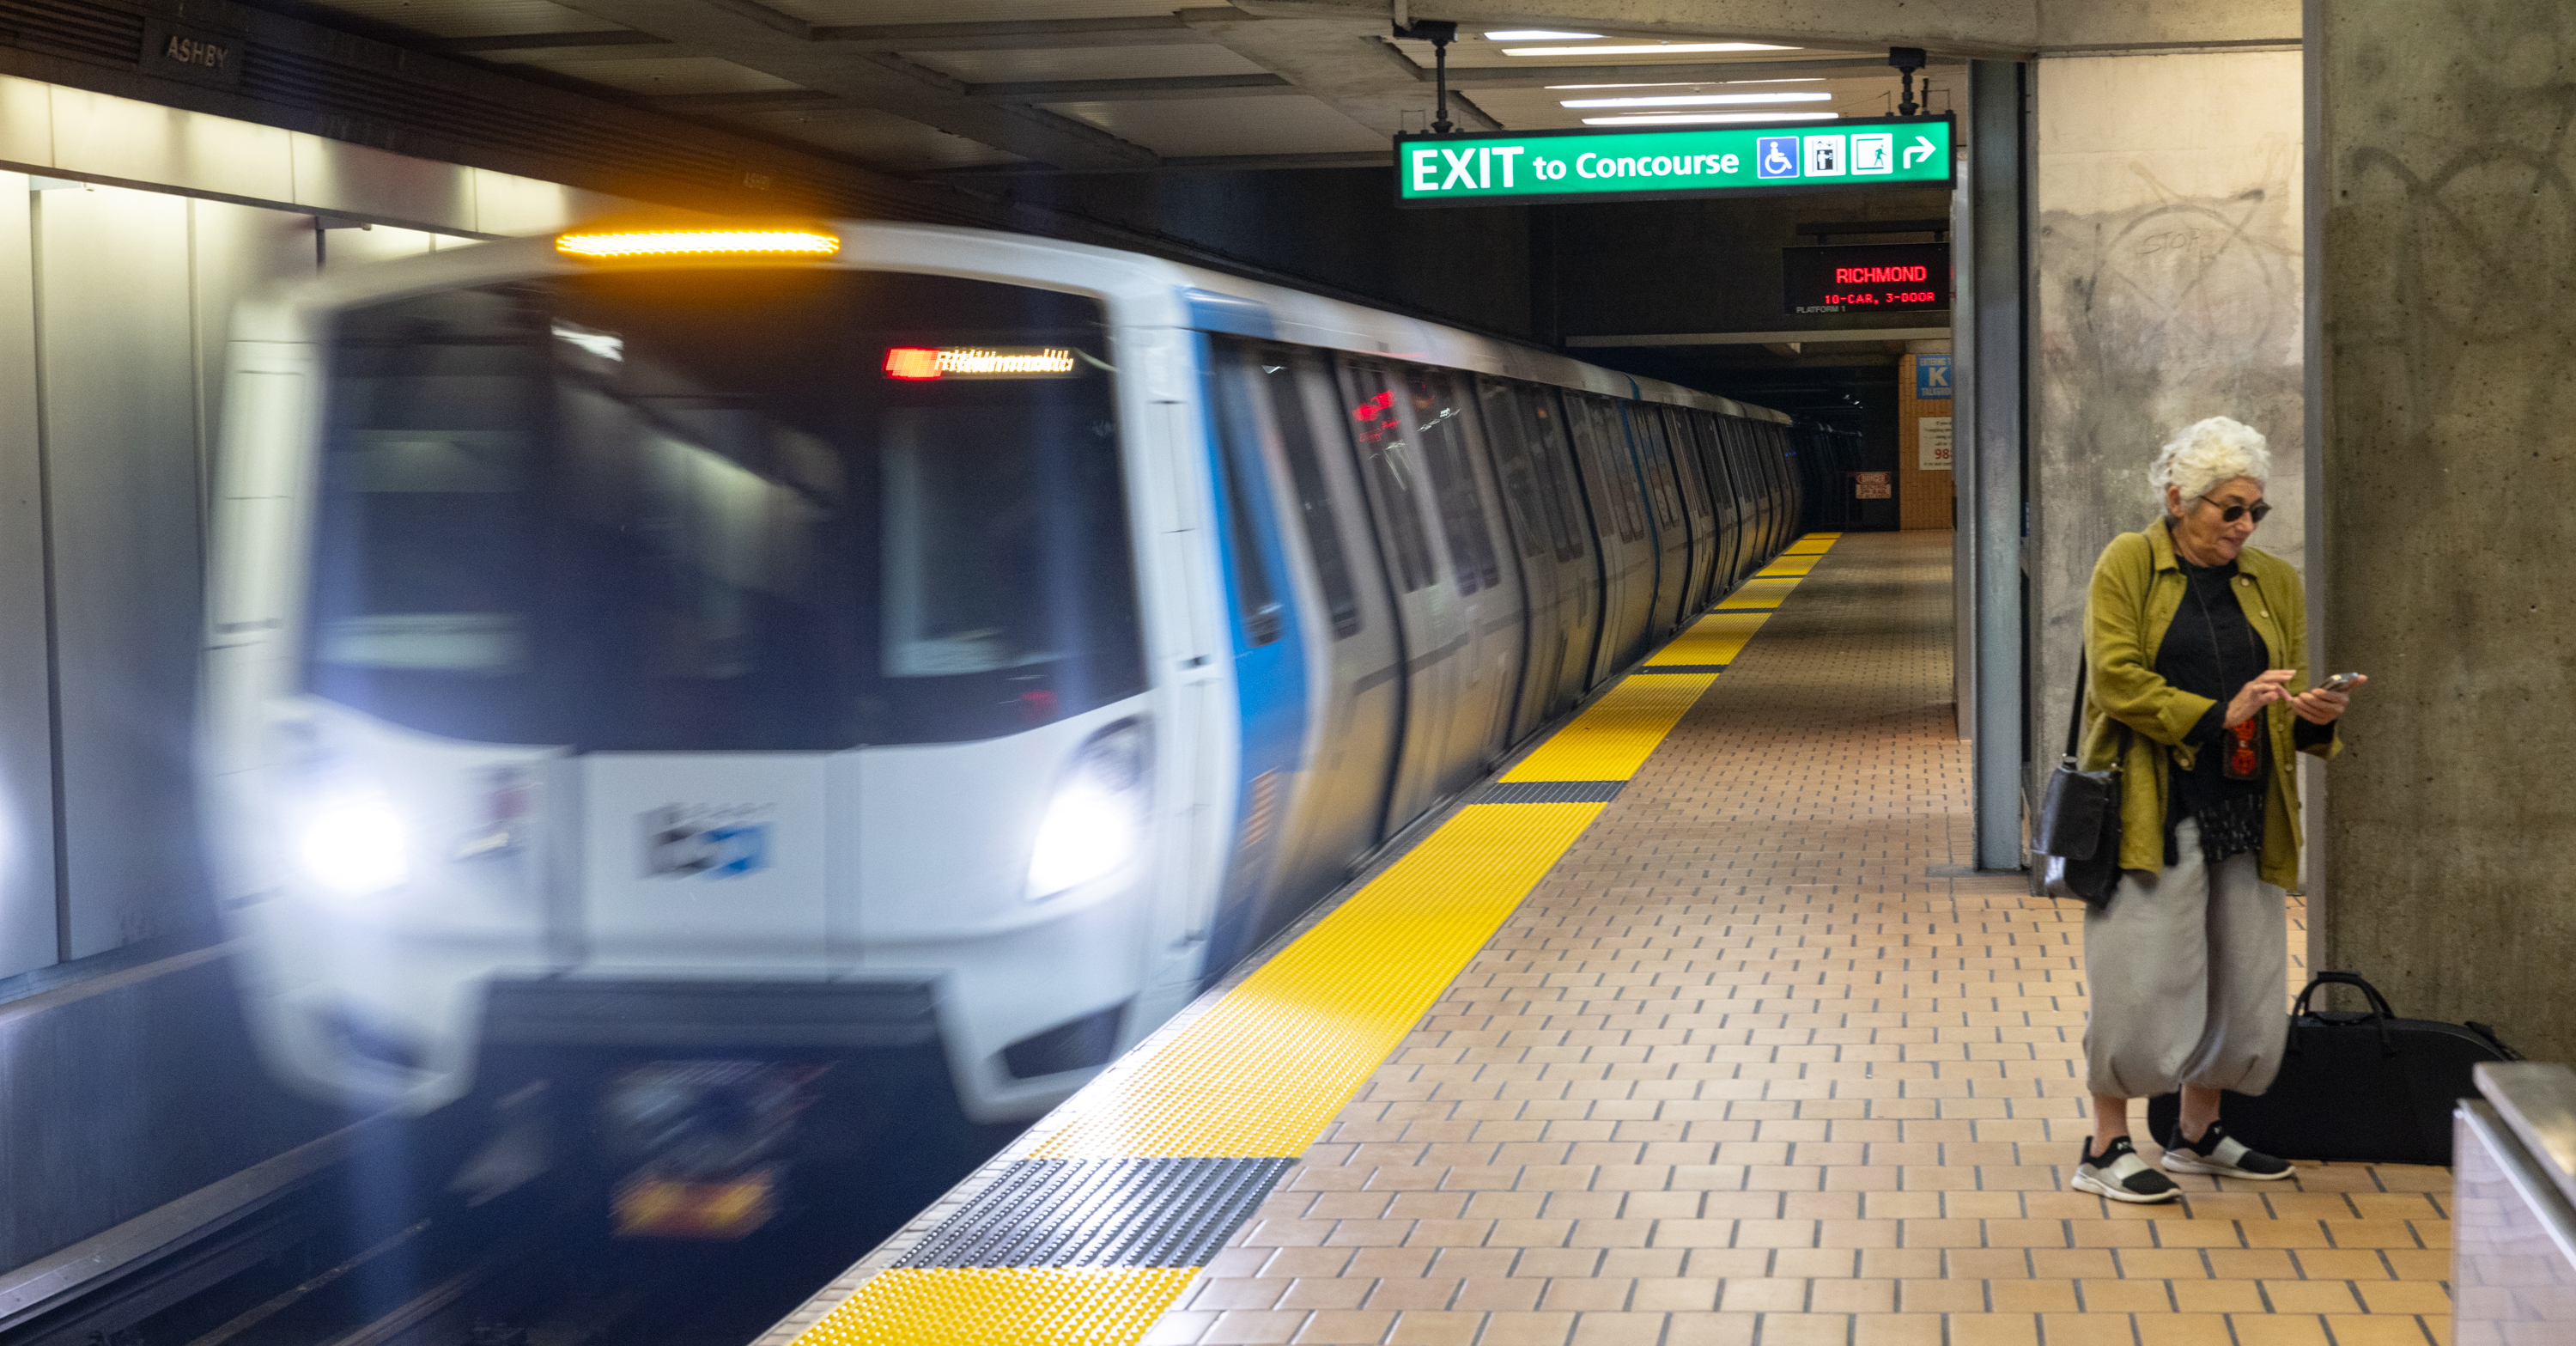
(1775, 157)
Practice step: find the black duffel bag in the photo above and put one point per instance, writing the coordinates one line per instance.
(2357, 1086)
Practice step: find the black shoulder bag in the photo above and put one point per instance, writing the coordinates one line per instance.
(2079, 818)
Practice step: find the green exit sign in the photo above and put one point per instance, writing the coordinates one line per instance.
(1735, 159)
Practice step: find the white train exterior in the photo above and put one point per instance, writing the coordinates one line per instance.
(964, 637)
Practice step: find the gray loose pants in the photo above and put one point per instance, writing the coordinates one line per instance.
(2187, 971)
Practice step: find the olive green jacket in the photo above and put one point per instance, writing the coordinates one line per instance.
(2137, 587)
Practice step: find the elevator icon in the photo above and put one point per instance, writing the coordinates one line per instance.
(1826, 157)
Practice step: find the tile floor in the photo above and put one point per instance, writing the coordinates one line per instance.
(1741, 1071)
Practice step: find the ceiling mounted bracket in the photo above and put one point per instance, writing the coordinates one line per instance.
(1439, 33)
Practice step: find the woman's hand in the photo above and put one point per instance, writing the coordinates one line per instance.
(2319, 706)
(2263, 691)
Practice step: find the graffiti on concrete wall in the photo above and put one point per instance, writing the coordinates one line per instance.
(2152, 316)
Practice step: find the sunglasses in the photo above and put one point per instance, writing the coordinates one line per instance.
(2231, 513)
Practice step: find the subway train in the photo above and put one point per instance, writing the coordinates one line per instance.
(777, 642)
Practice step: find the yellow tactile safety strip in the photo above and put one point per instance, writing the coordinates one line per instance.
(1263, 1071)
(1002, 1306)
(1759, 593)
(1789, 565)
(1813, 544)
(1714, 639)
(1614, 735)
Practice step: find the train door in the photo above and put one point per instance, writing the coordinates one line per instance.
(1544, 507)
(1442, 407)
(1330, 815)
(1269, 633)
(1695, 507)
(1428, 613)
(1748, 501)
(1722, 505)
(1775, 466)
(1672, 537)
(1619, 521)
(1552, 455)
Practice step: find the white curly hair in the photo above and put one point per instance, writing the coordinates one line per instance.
(2205, 453)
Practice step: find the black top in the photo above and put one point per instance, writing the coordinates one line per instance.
(2211, 650)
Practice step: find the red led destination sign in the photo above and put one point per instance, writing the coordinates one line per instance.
(1866, 278)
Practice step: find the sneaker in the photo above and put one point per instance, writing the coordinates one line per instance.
(2121, 1175)
(2222, 1155)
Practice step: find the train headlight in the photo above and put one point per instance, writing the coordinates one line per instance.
(1095, 823)
(355, 845)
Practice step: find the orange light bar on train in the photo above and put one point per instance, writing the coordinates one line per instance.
(622, 245)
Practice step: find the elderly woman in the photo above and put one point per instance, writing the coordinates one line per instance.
(2197, 644)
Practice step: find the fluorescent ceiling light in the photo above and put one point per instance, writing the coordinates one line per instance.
(1701, 99)
(1647, 49)
(1693, 83)
(1697, 118)
(1535, 35)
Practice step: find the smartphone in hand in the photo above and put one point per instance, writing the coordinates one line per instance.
(2340, 682)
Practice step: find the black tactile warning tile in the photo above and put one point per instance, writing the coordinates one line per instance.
(1102, 1212)
(1551, 792)
(1678, 668)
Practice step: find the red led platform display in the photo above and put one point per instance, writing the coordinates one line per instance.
(1866, 278)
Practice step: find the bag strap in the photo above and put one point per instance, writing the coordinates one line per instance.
(2075, 710)
(2075, 716)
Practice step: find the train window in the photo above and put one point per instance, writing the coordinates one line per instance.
(1440, 425)
(1533, 522)
(1552, 455)
(724, 511)
(1605, 446)
(1647, 429)
(1378, 437)
(1686, 467)
(1238, 459)
(1284, 376)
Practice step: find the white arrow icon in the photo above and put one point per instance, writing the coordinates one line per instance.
(1922, 148)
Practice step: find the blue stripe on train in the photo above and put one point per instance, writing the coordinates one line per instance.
(1269, 678)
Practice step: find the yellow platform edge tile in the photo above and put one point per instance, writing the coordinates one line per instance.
(1759, 593)
(1614, 735)
(1001, 1306)
(1789, 565)
(1263, 1070)
(1714, 639)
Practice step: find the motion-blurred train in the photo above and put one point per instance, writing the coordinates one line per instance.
(776, 642)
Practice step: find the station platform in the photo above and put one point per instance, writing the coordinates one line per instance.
(1693, 1029)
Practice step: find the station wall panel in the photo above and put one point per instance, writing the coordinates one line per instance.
(123, 481)
(27, 936)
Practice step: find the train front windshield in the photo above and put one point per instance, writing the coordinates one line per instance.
(723, 510)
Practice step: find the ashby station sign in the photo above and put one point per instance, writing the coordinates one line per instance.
(1547, 167)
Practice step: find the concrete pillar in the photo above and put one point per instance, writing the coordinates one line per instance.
(2167, 250)
(2444, 307)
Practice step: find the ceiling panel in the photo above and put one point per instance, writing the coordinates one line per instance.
(1542, 109)
(997, 67)
(873, 12)
(472, 18)
(1210, 128)
(1480, 54)
(670, 75)
(881, 139)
